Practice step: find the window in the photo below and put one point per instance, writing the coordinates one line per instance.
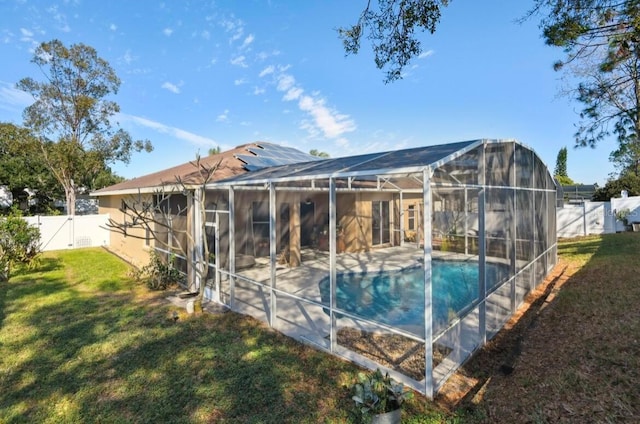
(411, 217)
(147, 236)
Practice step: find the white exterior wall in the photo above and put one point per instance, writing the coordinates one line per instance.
(71, 232)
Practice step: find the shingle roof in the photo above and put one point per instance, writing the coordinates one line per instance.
(232, 162)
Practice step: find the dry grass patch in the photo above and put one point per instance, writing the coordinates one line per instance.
(574, 354)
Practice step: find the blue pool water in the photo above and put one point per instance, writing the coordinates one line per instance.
(396, 298)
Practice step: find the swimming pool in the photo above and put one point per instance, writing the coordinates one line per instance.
(396, 298)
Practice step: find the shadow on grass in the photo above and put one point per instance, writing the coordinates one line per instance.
(572, 326)
(101, 357)
(22, 284)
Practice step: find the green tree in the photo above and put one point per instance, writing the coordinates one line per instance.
(72, 107)
(318, 153)
(601, 39)
(561, 163)
(626, 157)
(391, 26)
(614, 187)
(102, 178)
(561, 168)
(214, 150)
(22, 165)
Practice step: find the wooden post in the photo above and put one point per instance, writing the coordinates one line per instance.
(294, 234)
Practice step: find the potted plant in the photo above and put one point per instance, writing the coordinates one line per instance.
(623, 215)
(378, 398)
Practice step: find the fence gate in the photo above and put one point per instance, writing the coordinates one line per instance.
(71, 232)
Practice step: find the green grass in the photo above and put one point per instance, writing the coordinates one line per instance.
(81, 343)
(580, 359)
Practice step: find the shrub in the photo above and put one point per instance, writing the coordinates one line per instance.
(159, 275)
(19, 244)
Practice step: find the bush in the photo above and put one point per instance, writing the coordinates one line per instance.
(19, 244)
(158, 275)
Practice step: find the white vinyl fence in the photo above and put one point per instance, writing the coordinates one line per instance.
(630, 203)
(596, 217)
(71, 232)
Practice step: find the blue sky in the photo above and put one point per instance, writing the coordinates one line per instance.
(199, 74)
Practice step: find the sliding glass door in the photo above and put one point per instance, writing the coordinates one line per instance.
(380, 222)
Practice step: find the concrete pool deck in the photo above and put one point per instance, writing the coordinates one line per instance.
(300, 313)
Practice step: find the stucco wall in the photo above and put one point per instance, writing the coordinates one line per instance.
(132, 247)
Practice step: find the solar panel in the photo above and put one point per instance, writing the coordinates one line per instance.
(266, 155)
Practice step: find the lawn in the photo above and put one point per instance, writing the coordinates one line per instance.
(574, 354)
(81, 342)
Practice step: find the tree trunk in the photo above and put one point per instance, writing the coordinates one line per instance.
(70, 195)
(5, 267)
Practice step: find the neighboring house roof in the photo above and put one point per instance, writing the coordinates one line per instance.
(237, 161)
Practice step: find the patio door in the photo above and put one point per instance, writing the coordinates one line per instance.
(380, 225)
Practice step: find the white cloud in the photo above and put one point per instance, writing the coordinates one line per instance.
(128, 57)
(293, 94)
(331, 123)
(247, 41)
(113, 27)
(236, 27)
(266, 71)
(239, 61)
(187, 136)
(426, 54)
(13, 99)
(257, 91)
(171, 87)
(285, 82)
(266, 55)
(7, 36)
(239, 81)
(26, 34)
(323, 119)
(167, 32)
(223, 117)
(60, 18)
(205, 34)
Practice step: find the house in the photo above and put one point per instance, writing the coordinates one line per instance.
(173, 188)
(405, 260)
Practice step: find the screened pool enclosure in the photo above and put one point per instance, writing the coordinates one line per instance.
(407, 260)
